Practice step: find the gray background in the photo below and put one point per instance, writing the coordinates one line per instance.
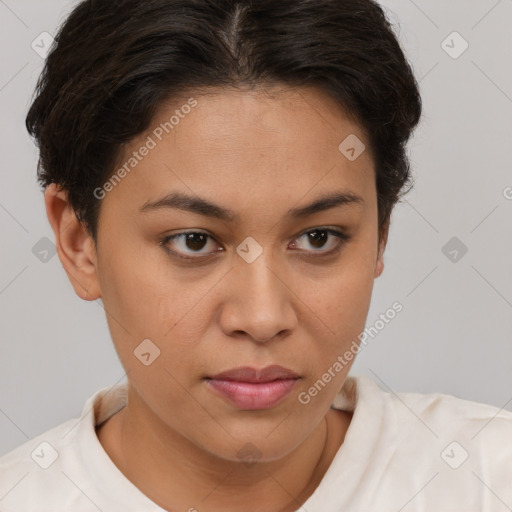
(454, 333)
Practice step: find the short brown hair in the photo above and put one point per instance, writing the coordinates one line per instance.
(116, 61)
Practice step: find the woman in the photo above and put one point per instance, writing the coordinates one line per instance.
(221, 173)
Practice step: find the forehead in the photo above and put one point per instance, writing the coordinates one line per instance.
(291, 121)
(268, 145)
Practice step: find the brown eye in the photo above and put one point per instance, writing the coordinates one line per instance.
(195, 241)
(320, 238)
(193, 245)
(186, 244)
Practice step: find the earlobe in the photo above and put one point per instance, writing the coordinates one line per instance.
(75, 245)
(379, 266)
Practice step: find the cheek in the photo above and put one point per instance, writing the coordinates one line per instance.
(352, 299)
(137, 287)
(343, 308)
(343, 299)
(145, 298)
(141, 307)
(342, 304)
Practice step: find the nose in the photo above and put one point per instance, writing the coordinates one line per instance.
(259, 303)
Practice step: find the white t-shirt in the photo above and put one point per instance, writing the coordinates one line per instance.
(402, 452)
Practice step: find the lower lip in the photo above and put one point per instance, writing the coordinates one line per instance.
(252, 396)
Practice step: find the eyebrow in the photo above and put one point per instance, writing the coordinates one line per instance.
(205, 207)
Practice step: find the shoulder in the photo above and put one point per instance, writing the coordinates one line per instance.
(436, 407)
(53, 470)
(35, 468)
(451, 412)
(458, 452)
(449, 422)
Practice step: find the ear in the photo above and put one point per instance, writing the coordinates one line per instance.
(379, 266)
(75, 245)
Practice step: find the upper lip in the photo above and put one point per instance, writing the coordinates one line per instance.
(249, 374)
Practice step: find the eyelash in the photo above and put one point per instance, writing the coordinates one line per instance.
(342, 237)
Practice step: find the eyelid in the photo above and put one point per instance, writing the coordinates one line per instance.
(337, 232)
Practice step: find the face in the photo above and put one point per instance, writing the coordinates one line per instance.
(235, 271)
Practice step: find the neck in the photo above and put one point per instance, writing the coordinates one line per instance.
(178, 475)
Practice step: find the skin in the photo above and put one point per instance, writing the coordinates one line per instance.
(258, 153)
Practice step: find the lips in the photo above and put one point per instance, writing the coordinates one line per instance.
(249, 374)
(251, 389)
